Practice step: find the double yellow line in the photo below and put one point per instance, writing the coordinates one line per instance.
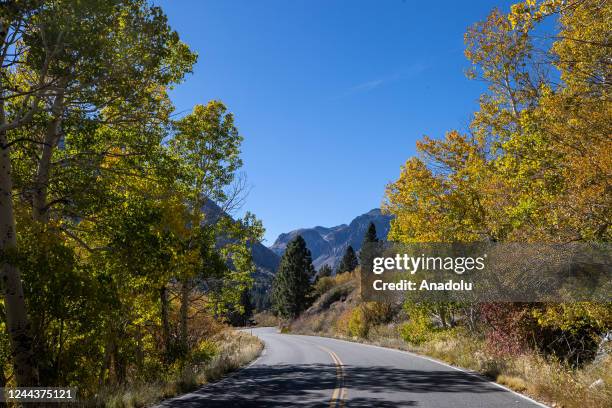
(339, 395)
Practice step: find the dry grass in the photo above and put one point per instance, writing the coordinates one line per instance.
(544, 380)
(515, 383)
(540, 378)
(266, 319)
(234, 350)
(346, 277)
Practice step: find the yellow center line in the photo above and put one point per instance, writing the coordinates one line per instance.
(339, 394)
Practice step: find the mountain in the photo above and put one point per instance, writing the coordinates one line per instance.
(327, 245)
(266, 260)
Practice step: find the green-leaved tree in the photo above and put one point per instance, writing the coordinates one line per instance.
(368, 239)
(349, 261)
(370, 235)
(292, 286)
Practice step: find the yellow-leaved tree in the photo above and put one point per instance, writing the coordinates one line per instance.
(535, 164)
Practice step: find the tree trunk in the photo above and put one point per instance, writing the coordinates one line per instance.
(140, 354)
(2, 383)
(184, 311)
(106, 364)
(113, 376)
(17, 321)
(163, 295)
(40, 211)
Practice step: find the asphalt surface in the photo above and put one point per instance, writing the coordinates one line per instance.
(307, 371)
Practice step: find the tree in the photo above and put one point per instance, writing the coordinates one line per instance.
(101, 196)
(349, 261)
(370, 235)
(368, 239)
(208, 145)
(292, 285)
(447, 194)
(535, 165)
(70, 69)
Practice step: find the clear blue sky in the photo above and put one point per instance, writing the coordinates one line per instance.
(330, 96)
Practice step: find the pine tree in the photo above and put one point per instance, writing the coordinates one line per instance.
(349, 261)
(368, 238)
(292, 286)
(370, 235)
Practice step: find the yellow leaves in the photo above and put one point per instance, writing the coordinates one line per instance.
(539, 162)
(175, 216)
(583, 46)
(575, 316)
(517, 14)
(522, 16)
(435, 201)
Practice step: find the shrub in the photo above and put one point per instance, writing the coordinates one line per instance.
(377, 313)
(323, 285)
(571, 331)
(334, 295)
(418, 329)
(508, 327)
(344, 277)
(342, 324)
(266, 319)
(203, 352)
(358, 325)
(224, 352)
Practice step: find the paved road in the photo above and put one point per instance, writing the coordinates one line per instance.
(310, 371)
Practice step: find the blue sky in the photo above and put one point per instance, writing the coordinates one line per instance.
(330, 96)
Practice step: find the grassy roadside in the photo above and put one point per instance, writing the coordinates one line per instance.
(339, 313)
(231, 350)
(542, 380)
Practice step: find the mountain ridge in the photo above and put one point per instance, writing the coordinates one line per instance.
(327, 244)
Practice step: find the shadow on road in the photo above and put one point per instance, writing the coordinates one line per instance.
(311, 385)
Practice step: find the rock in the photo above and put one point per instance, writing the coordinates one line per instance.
(597, 384)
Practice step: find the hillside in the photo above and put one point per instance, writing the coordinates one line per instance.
(265, 259)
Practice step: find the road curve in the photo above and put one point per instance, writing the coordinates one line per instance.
(308, 371)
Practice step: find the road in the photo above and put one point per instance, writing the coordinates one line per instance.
(309, 371)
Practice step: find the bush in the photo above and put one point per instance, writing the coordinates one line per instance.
(418, 329)
(571, 332)
(323, 285)
(224, 352)
(342, 324)
(345, 277)
(377, 313)
(334, 295)
(266, 319)
(358, 325)
(203, 352)
(367, 315)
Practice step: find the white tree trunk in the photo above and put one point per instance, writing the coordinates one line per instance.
(40, 211)
(17, 321)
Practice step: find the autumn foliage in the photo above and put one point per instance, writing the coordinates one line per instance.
(535, 164)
